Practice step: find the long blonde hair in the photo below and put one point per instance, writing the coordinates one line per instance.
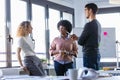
(23, 29)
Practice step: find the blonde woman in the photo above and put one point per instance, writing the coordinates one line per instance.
(25, 47)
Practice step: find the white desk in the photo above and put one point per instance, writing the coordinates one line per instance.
(110, 78)
(26, 77)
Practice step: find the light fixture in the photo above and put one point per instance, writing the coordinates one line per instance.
(114, 1)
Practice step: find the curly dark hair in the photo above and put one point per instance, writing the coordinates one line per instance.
(65, 23)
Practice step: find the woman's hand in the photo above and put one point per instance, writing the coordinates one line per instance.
(62, 52)
(71, 53)
(25, 69)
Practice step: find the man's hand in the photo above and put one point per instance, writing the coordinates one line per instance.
(74, 37)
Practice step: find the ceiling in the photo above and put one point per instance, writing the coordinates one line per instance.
(100, 3)
(103, 3)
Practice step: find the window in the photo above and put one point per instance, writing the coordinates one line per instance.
(2, 34)
(38, 23)
(53, 23)
(68, 16)
(18, 14)
(44, 16)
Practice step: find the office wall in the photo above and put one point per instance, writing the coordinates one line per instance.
(80, 19)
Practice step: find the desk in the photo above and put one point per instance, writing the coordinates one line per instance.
(26, 77)
(110, 78)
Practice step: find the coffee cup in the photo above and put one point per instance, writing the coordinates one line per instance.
(73, 74)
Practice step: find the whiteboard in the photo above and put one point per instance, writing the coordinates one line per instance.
(107, 44)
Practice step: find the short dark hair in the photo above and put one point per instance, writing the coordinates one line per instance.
(65, 23)
(92, 6)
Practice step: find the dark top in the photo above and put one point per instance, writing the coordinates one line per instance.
(91, 35)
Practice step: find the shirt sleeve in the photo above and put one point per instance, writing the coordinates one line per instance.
(20, 42)
(85, 34)
(52, 47)
(75, 47)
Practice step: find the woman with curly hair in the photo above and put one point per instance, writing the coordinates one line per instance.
(63, 48)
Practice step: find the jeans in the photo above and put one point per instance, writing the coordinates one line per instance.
(61, 69)
(34, 65)
(91, 60)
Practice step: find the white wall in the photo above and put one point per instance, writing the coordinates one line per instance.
(80, 19)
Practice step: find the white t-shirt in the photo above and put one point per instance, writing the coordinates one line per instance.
(27, 46)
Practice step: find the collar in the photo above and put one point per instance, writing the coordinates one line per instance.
(66, 38)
